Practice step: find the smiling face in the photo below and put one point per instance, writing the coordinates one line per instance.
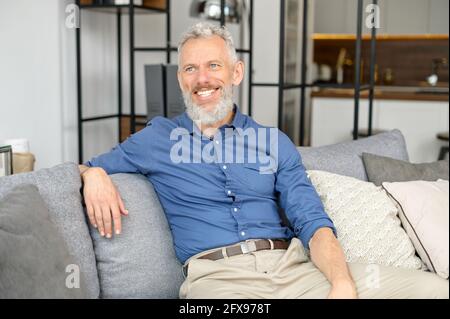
(206, 75)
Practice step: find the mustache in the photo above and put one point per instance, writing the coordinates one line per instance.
(199, 88)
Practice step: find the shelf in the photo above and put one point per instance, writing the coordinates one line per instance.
(155, 49)
(289, 86)
(123, 9)
(97, 118)
(382, 37)
(380, 93)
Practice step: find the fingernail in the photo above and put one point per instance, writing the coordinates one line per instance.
(117, 232)
(95, 226)
(102, 234)
(108, 235)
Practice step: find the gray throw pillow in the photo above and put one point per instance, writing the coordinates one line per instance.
(140, 262)
(60, 186)
(33, 256)
(345, 158)
(384, 169)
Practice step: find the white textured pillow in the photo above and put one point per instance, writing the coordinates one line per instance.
(366, 221)
(424, 214)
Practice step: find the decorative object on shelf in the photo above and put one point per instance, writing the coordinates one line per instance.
(210, 9)
(121, 2)
(22, 160)
(6, 166)
(388, 76)
(436, 64)
(344, 67)
(18, 145)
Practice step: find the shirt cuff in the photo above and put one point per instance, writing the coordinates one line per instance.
(88, 164)
(308, 231)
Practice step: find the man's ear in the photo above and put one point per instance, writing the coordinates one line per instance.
(238, 74)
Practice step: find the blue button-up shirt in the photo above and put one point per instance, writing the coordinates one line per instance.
(213, 191)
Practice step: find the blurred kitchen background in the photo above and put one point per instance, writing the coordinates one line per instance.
(39, 96)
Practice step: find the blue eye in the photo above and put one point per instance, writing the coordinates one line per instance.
(214, 66)
(189, 69)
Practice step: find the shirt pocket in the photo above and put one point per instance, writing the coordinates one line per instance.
(255, 177)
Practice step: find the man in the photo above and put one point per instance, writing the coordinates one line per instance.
(223, 214)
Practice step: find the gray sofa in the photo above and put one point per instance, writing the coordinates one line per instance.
(140, 263)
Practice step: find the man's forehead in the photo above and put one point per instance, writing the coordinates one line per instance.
(213, 39)
(204, 45)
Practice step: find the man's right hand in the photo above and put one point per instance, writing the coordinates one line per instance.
(103, 202)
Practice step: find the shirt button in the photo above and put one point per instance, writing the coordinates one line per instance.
(235, 209)
(217, 142)
(224, 167)
(229, 192)
(242, 233)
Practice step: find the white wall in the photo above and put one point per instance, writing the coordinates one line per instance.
(419, 122)
(30, 77)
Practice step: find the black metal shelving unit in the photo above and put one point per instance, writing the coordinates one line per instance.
(131, 9)
(303, 85)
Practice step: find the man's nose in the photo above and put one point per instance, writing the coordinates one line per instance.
(203, 76)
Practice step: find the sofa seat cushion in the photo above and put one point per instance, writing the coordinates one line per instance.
(60, 188)
(346, 158)
(141, 261)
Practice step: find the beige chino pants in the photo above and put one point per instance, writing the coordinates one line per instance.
(289, 274)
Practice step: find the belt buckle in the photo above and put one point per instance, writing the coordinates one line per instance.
(248, 247)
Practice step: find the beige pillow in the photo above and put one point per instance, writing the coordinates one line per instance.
(366, 221)
(424, 214)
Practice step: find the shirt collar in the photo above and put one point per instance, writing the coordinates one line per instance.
(188, 124)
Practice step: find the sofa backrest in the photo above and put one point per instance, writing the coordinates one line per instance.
(141, 262)
(346, 158)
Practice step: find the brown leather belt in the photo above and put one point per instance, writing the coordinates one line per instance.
(243, 248)
(247, 247)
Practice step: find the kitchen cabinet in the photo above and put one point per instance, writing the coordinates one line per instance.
(419, 121)
(396, 16)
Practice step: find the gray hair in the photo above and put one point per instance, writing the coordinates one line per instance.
(206, 30)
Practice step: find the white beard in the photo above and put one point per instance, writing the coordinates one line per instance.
(220, 111)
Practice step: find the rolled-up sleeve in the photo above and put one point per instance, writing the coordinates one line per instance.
(297, 195)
